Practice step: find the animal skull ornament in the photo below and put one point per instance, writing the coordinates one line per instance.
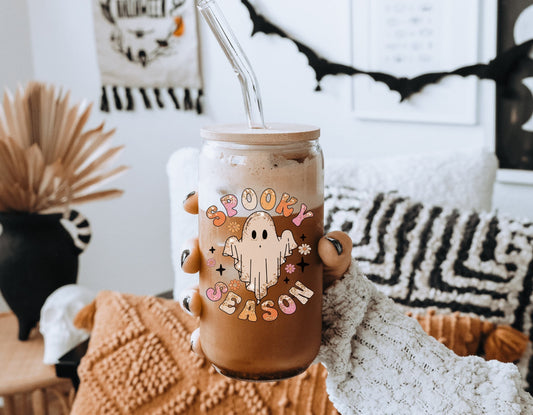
(57, 316)
(259, 254)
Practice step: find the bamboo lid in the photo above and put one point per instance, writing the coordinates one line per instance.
(275, 133)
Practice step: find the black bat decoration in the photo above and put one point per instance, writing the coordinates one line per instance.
(497, 69)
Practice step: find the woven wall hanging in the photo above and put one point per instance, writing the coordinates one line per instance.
(147, 48)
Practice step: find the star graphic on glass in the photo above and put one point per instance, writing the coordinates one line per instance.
(302, 264)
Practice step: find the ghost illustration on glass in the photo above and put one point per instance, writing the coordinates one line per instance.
(259, 254)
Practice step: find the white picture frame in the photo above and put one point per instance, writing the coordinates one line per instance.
(445, 36)
(524, 177)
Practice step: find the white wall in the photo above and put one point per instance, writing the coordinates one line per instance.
(16, 47)
(130, 247)
(16, 58)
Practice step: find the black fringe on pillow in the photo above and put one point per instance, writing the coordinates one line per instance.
(123, 99)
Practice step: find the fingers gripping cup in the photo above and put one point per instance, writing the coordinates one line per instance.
(261, 216)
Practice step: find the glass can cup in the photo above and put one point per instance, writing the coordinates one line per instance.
(261, 198)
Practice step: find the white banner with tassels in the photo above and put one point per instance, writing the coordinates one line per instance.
(148, 51)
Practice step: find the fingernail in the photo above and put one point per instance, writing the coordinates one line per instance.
(184, 255)
(336, 244)
(192, 340)
(189, 195)
(195, 337)
(186, 301)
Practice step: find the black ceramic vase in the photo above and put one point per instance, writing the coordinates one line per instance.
(37, 256)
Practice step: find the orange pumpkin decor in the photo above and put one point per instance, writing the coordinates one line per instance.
(468, 336)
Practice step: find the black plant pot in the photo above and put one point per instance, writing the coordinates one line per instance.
(37, 256)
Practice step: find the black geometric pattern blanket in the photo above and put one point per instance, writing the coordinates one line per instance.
(431, 257)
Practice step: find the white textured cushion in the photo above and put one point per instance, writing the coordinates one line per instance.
(3, 305)
(182, 170)
(462, 179)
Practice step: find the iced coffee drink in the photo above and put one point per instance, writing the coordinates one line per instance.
(261, 217)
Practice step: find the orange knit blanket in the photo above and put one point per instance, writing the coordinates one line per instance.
(140, 361)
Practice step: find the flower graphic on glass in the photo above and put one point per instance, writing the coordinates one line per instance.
(234, 285)
(234, 227)
(304, 249)
(259, 254)
(290, 268)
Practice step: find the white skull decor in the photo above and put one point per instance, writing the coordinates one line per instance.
(57, 316)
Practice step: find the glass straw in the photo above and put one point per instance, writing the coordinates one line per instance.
(233, 51)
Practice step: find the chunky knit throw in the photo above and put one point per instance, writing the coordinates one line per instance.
(140, 361)
(380, 361)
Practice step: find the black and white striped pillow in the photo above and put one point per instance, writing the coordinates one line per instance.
(431, 257)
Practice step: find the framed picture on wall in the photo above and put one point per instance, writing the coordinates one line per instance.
(514, 99)
(407, 38)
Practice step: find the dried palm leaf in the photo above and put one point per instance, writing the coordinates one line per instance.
(48, 159)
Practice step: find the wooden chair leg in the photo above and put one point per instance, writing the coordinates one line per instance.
(23, 403)
(9, 405)
(38, 401)
(71, 396)
(63, 397)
